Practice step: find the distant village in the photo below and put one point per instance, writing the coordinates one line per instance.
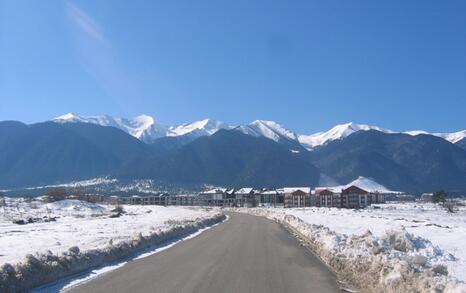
(352, 197)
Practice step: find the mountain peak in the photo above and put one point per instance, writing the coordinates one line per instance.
(339, 131)
(356, 127)
(198, 128)
(268, 129)
(67, 117)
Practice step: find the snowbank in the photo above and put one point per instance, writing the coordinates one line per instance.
(427, 220)
(43, 268)
(62, 238)
(63, 224)
(395, 262)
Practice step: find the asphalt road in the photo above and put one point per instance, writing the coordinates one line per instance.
(245, 254)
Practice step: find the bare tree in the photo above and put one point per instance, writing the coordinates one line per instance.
(451, 206)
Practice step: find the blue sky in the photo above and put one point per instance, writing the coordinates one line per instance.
(306, 64)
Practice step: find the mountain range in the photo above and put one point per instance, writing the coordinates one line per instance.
(258, 154)
(145, 128)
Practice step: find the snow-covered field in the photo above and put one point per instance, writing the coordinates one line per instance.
(78, 223)
(41, 243)
(426, 220)
(387, 247)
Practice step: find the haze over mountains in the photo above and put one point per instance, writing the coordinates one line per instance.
(259, 154)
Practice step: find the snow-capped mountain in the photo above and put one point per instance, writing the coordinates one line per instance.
(452, 137)
(278, 133)
(100, 120)
(105, 151)
(197, 128)
(145, 127)
(338, 132)
(268, 129)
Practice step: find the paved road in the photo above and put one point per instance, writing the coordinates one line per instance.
(245, 254)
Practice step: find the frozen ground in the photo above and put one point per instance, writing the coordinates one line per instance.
(65, 224)
(427, 220)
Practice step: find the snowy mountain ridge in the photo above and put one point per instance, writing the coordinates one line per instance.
(344, 130)
(147, 129)
(268, 129)
(197, 128)
(143, 127)
(452, 137)
(338, 132)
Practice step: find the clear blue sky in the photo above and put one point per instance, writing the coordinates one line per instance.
(306, 64)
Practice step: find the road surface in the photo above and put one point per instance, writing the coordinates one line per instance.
(244, 254)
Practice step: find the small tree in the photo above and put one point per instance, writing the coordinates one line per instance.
(439, 197)
(451, 206)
